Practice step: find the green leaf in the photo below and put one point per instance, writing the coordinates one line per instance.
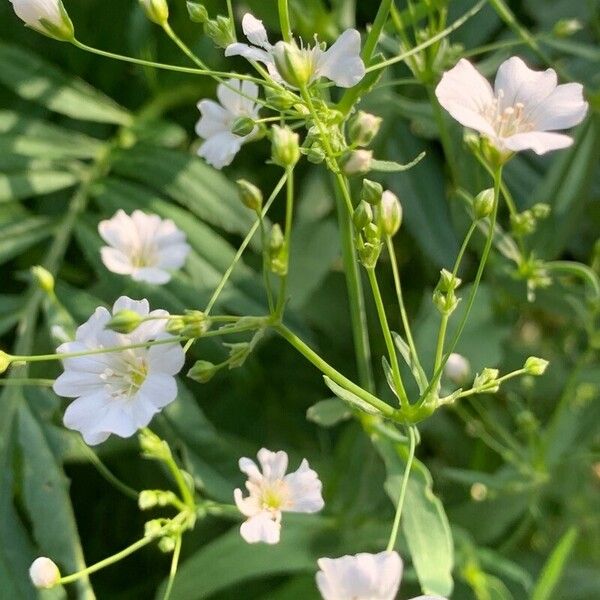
(17, 237)
(34, 183)
(352, 399)
(555, 565)
(328, 413)
(390, 166)
(35, 79)
(424, 521)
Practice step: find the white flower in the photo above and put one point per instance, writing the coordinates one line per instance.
(118, 392)
(457, 368)
(521, 111)
(341, 63)
(46, 16)
(216, 122)
(44, 573)
(362, 577)
(143, 246)
(273, 492)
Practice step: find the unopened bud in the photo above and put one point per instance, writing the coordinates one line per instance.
(243, 126)
(276, 239)
(5, 361)
(125, 321)
(483, 204)
(285, 146)
(238, 353)
(281, 99)
(197, 12)
(220, 31)
(372, 233)
(371, 192)
(167, 544)
(315, 155)
(358, 162)
(44, 279)
(44, 573)
(196, 324)
(152, 446)
(487, 380)
(535, 366)
(390, 213)
(156, 10)
(278, 256)
(523, 223)
(362, 216)
(294, 64)
(567, 27)
(541, 210)
(457, 368)
(448, 281)
(368, 254)
(202, 371)
(250, 195)
(363, 128)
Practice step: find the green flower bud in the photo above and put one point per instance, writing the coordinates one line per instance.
(535, 366)
(202, 371)
(152, 446)
(358, 162)
(5, 361)
(167, 544)
(156, 10)
(448, 282)
(368, 254)
(125, 321)
(243, 126)
(285, 146)
(372, 233)
(238, 353)
(445, 302)
(566, 27)
(276, 239)
(154, 527)
(362, 216)
(281, 99)
(314, 155)
(220, 31)
(250, 195)
(294, 64)
(363, 128)
(541, 210)
(483, 204)
(44, 279)
(523, 223)
(487, 380)
(278, 256)
(390, 213)
(147, 499)
(371, 192)
(197, 12)
(196, 324)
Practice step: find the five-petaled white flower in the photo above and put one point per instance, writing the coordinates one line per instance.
(362, 577)
(143, 246)
(273, 492)
(522, 110)
(237, 99)
(341, 63)
(118, 392)
(46, 16)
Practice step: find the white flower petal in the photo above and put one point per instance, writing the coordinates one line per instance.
(232, 97)
(72, 384)
(220, 150)
(305, 490)
(158, 390)
(563, 108)
(249, 53)
(261, 528)
(174, 256)
(86, 412)
(273, 464)
(214, 119)
(117, 231)
(248, 506)
(249, 467)
(255, 31)
(153, 275)
(141, 307)
(466, 94)
(166, 359)
(342, 63)
(538, 141)
(33, 11)
(90, 330)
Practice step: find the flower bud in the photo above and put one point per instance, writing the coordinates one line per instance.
(44, 279)
(277, 251)
(202, 371)
(566, 27)
(369, 254)
(280, 99)
(243, 126)
(250, 195)
(294, 64)
(457, 368)
(276, 239)
(44, 573)
(371, 192)
(535, 366)
(125, 321)
(220, 31)
(46, 16)
(363, 128)
(167, 544)
(5, 361)
(362, 216)
(448, 282)
(238, 353)
(285, 146)
(487, 380)
(152, 446)
(390, 213)
(358, 162)
(372, 233)
(523, 223)
(197, 12)
(156, 10)
(541, 210)
(196, 324)
(315, 155)
(483, 204)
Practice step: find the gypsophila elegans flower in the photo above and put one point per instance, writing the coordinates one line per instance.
(272, 492)
(215, 127)
(45, 16)
(362, 577)
(44, 573)
(340, 63)
(118, 392)
(521, 112)
(145, 247)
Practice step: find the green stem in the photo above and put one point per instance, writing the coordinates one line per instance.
(387, 335)
(333, 374)
(439, 350)
(405, 478)
(258, 223)
(173, 569)
(284, 20)
(376, 30)
(578, 270)
(289, 215)
(186, 494)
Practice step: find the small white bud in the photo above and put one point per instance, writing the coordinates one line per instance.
(156, 10)
(293, 64)
(390, 213)
(44, 573)
(45, 16)
(358, 162)
(483, 204)
(457, 368)
(535, 366)
(363, 128)
(285, 146)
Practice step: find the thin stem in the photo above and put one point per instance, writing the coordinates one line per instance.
(284, 20)
(231, 17)
(439, 349)
(412, 440)
(183, 47)
(186, 494)
(332, 373)
(289, 214)
(375, 33)
(173, 570)
(265, 266)
(258, 223)
(387, 335)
